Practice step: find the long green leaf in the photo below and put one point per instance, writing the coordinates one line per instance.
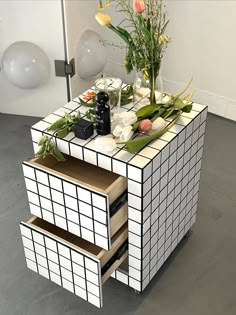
(135, 145)
(147, 111)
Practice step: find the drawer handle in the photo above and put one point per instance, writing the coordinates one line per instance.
(118, 255)
(118, 203)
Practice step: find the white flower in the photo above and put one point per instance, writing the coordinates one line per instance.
(104, 144)
(126, 134)
(125, 118)
(158, 124)
(118, 131)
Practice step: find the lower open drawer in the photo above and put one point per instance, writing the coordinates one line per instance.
(69, 261)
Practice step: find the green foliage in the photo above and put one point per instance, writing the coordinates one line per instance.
(126, 98)
(62, 127)
(46, 146)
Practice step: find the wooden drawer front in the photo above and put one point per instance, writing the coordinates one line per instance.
(71, 206)
(64, 263)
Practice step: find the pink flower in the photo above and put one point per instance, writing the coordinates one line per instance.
(145, 125)
(139, 6)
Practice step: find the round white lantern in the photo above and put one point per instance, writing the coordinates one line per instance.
(26, 65)
(91, 55)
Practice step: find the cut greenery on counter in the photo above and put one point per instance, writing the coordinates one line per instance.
(126, 98)
(135, 130)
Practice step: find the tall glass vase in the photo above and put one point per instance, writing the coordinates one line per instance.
(147, 90)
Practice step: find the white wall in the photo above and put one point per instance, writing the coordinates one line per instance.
(38, 21)
(80, 16)
(203, 47)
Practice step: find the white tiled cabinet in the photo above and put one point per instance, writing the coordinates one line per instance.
(77, 239)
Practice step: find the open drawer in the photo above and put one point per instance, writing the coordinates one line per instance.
(69, 261)
(78, 197)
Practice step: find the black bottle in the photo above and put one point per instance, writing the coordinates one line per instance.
(103, 115)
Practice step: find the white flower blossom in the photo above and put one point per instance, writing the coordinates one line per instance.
(125, 118)
(105, 144)
(118, 131)
(158, 124)
(126, 134)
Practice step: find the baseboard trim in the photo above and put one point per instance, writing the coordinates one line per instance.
(217, 104)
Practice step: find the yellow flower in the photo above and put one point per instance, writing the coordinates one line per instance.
(103, 19)
(100, 7)
(107, 3)
(164, 39)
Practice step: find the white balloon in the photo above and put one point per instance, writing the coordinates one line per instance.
(91, 54)
(26, 65)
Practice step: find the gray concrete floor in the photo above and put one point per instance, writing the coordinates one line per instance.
(199, 277)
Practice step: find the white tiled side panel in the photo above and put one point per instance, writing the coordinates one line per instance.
(68, 205)
(63, 265)
(163, 208)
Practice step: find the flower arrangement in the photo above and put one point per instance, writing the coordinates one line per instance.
(134, 130)
(146, 40)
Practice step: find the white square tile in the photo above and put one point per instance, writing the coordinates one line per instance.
(72, 216)
(67, 285)
(71, 203)
(135, 173)
(156, 176)
(149, 152)
(84, 195)
(93, 299)
(44, 191)
(92, 276)
(73, 228)
(91, 265)
(39, 249)
(85, 209)
(78, 259)
(100, 229)
(134, 227)
(99, 201)
(61, 222)
(134, 239)
(31, 185)
(80, 292)
(57, 196)
(86, 222)
(46, 204)
(35, 210)
(76, 151)
(41, 125)
(65, 262)
(99, 215)
(54, 267)
(51, 244)
(119, 167)
(43, 272)
(27, 243)
(33, 198)
(79, 281)
(134, 214)
(38, 238)
(135, 284)
(55, 278)
(135, 202)
(87, 234)
(101, 241)
(90, 156)
(63, 250)
(55, 183)
(48, 216)
(69, 189)
(36, 135)
(42, 177)
(29, 254)
(28, 172)
(104, 162)
(52, 256)
(134, 262)
(59, 209)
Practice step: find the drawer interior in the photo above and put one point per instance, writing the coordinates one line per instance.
(87, 174)
(82, 245)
